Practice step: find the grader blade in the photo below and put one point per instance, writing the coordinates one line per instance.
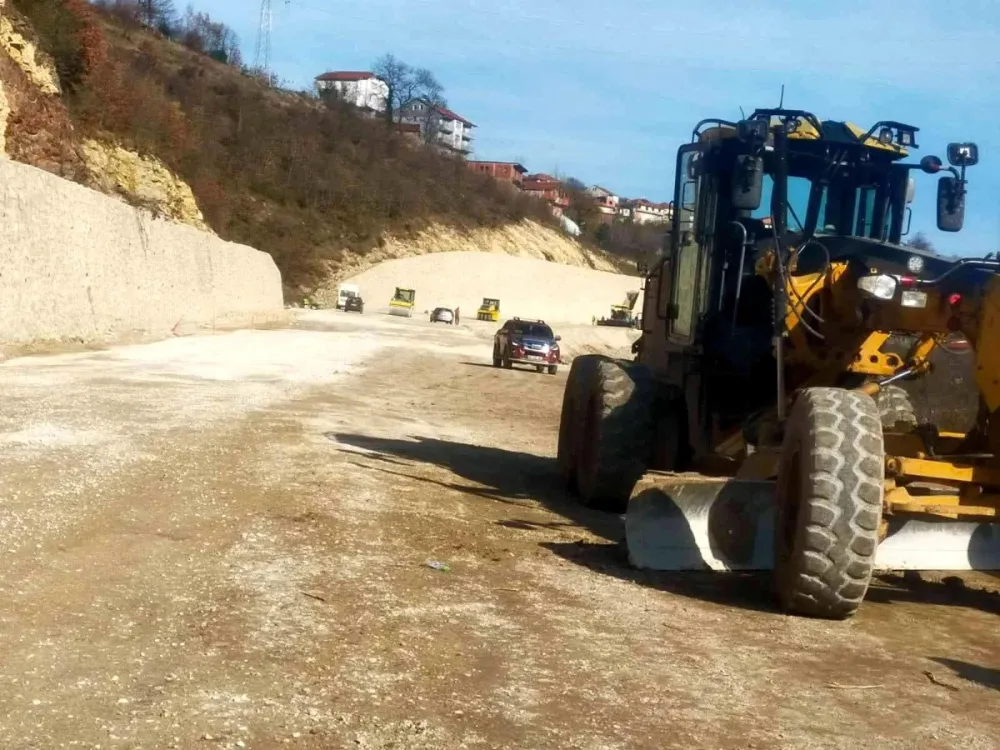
(693, 522)
(913, 544)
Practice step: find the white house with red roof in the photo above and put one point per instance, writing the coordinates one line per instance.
(360, 88)
(607, 202)
(439, 126)
(642, 211)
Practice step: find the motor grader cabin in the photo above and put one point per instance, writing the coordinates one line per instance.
(761, 425)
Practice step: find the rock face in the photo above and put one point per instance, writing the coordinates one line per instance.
(78, 266)
(526, 240)
(141, 181)
(526, 287)
(25, 54)
(35, 102)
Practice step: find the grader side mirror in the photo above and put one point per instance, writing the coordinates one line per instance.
(963, 154)
(748, 182)
(950, 204)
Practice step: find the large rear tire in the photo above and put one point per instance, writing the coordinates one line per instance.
(829, 491)
(895, 408)
(580, 373)
(615, 427)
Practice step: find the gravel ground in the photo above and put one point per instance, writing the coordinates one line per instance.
(237, 540)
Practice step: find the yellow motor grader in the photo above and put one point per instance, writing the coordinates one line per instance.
(761, 425)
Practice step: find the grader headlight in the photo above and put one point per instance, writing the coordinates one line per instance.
(880, 286)
(883, 286)
(915, 264)
(913, 299)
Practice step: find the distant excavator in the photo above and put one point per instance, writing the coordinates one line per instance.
(621, 315)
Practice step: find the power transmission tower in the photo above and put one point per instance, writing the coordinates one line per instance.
(262, 56)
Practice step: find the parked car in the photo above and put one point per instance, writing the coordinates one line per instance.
(354, 303)
(526, 342)
(346, 291)
(443, 315)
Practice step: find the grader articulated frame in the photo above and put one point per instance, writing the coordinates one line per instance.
(762, 425)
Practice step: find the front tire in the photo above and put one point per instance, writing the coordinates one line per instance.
(895, 408)
(570, 426)
(616, 427)
(553, 369)
(829, 489)
(507, 363)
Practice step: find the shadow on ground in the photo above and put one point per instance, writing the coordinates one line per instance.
(749, 591)
(517, 478)
(522, 479)
(892, 588)
(985, 676)
(510, 477)
(533, 369)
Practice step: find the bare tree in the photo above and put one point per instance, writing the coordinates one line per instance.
(199, 32)
(406, 83)
(920, 242)
(157, 14)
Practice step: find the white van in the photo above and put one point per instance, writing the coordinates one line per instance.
(344, 291)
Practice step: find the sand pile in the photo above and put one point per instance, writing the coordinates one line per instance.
(526, 287)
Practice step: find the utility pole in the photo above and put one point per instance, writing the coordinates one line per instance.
(262, 55)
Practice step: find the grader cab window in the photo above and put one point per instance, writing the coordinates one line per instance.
(799, 190)
(840, 205)
(684, 286)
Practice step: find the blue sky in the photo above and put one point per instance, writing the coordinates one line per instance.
(606, 91)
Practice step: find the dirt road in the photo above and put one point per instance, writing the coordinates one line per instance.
(224, 542)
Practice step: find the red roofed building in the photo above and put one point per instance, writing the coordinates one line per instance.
(439, 125)
(547, 188)
(359, 88)
(505, 171)
(607, 202)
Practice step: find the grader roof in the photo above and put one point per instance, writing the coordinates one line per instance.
(808, 127)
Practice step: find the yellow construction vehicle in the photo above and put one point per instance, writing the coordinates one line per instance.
(762, 424)
(402, 302)
(621, 315)
(489, 310)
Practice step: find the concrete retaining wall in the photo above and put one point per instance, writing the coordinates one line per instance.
(78, 266)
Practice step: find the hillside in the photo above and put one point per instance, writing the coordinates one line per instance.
(526, 287)
(99, 99)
